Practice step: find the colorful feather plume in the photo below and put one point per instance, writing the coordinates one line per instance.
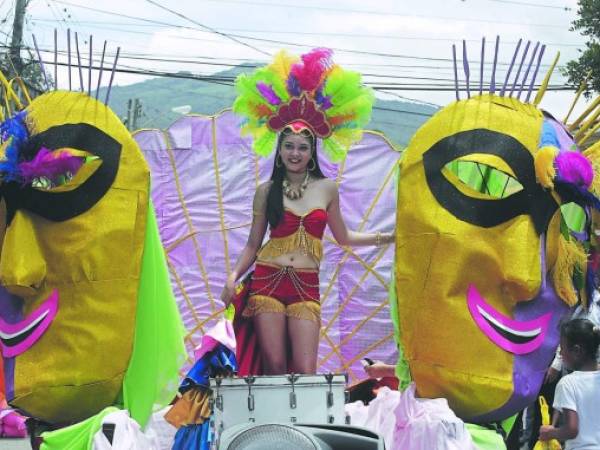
(333, 102)
(14, 134)
(49, 164)
(311, 71)
(574, 168)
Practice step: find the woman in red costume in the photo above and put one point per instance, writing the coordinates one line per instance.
(297, 102)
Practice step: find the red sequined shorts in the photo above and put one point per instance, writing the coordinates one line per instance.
(286, 290)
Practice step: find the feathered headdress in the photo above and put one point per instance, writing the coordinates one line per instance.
(330, 101)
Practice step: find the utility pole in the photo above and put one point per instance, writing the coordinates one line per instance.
(128, 120)
(134, 113)
(17, 36)
(137, 113)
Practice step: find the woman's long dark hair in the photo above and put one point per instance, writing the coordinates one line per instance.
(275, 197)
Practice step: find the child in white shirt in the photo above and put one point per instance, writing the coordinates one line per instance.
(577, 395)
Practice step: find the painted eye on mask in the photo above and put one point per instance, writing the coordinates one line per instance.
(576, 221)
(480, 180)
(68, 169)
(501, 158)
(77, 195)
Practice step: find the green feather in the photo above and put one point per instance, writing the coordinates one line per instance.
(264, 142)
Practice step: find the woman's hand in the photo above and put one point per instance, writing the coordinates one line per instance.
(389, 238)
(228, 290)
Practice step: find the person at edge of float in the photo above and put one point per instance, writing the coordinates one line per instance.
(287, 107)
(296, 204)
(578, 393)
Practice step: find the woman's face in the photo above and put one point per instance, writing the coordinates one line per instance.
(295, 152)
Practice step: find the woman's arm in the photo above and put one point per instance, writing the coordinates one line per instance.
(255, 238)
(568, 430)
(341, 233)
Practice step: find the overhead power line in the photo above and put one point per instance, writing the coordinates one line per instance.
(381, 13)
(447, 87)
(274, 41)
(212, 30)
(106, 25)
(536, 5)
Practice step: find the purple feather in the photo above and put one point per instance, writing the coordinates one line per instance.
(323, 101)
(574, 168)
(569, 192)
(293, 86)
(49, 164)
(268, 93)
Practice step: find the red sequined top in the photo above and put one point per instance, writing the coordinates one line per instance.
(297, 232)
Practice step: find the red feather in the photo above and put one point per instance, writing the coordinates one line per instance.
(313, 67)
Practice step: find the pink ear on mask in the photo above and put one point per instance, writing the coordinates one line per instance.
(574, 168)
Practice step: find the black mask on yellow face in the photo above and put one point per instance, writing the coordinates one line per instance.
(532, 199)
(60, 206)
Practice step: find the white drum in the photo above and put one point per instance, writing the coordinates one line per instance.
(283, 398)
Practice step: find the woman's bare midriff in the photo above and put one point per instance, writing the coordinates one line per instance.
(297, 260)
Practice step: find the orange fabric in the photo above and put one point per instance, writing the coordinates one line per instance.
(191, 408)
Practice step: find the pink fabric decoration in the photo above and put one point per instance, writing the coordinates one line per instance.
(221, 333)
(574, 168)
(424, 424)
(49, 164)
(310, 71)
(12, 424)
(407, 422)
(268, 93)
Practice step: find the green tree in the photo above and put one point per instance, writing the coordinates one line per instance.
(30, 72)
(588, 24)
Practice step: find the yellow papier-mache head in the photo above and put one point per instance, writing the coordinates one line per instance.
(479, 304)
(70, 260)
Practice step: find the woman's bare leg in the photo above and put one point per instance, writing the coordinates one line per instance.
(270, 330)
(304, 338)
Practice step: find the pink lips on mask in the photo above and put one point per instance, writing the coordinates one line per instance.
(16, 338)
(510, 335)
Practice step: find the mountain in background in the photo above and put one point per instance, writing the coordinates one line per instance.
(397, 119)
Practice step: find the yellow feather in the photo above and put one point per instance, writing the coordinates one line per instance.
(282, 64)
(593, 155)
(544, 166)
(570, 254)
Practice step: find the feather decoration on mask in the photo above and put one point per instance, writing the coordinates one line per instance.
(14, 135)
(49, 164)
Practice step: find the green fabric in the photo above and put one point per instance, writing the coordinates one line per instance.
(76, 437)
(402, 369)
(486, 439)
(158, 348)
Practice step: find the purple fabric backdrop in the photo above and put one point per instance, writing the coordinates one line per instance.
(204, 175)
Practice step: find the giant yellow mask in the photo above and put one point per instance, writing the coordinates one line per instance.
(70, 262)
(478, 308)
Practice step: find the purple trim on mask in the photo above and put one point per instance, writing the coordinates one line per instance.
(529, 369)
(11, 308)
(27, 332)
(565, 140)
(503, 331)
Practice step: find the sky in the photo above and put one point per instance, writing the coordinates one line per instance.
(391, 42)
